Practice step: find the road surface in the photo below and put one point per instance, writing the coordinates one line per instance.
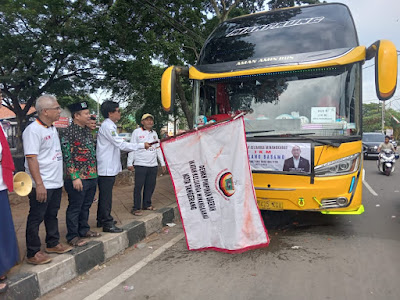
(311, 256)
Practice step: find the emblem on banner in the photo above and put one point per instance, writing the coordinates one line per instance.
(225, 184)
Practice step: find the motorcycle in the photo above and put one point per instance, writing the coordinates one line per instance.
(385, 162)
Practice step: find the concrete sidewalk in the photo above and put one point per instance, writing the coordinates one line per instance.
(30, 282)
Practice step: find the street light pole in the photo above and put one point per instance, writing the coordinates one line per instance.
(383, 117)
(98, 109)
(98, 106)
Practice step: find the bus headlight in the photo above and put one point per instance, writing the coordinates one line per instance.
(342, 166)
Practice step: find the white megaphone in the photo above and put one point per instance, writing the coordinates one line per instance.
(22, 184)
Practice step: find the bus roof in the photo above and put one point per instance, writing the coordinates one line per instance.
(285, 36)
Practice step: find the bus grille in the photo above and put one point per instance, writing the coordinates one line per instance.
(329, 203)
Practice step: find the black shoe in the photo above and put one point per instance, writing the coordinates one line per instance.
(113, 229)
(101, 225)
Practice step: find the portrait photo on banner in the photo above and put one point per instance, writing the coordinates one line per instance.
(280, 157)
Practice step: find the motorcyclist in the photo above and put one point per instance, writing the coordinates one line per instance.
(386, 145)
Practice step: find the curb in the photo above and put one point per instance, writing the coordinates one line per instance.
(41, 279)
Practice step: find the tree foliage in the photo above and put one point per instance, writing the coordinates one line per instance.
(372, 119)
(46, 47)
(65, 100)
(71, 47)
(275, 4)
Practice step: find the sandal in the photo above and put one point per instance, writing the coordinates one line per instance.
(91, 234)
(137, 213)
(77, 242)
(150, 208)
(4, 288)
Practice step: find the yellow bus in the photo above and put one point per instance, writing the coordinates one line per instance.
(296, 73)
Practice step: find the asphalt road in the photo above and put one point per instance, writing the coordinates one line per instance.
(311, 256)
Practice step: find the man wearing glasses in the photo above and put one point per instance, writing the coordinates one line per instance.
(109, 147)
(44, 164)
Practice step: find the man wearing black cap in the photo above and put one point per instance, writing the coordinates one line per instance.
(79, 155)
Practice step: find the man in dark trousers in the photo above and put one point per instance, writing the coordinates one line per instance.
(146, 165)
(109, 147)
(79, 153)
(43, 162)
(296, 163)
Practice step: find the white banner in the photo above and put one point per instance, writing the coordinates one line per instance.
(280, 157)
(214, 188)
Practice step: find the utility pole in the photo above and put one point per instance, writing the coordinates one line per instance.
(98, 97)
(383, 117)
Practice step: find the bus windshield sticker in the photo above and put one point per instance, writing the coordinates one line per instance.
(265, 59)
(280, 157)
(323, 114)
(298, 22)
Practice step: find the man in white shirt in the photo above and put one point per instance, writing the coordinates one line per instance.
(44, 163)
(146, 165)
(296, 163)
(109, 147)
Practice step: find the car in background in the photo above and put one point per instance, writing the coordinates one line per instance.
(126, 136)
(371, 142)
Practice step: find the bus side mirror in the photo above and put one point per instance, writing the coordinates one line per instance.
(385, 55)
(168, 83)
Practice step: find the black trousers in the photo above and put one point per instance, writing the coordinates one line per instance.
(145, 179)
(77, 215)
(39, 212)
(106, 184)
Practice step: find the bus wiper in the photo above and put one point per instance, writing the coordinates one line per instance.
(324, 142)
(259, 131)
(283, 134)
(335, 144)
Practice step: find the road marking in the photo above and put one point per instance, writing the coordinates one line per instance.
(132, 270)
(370, 188)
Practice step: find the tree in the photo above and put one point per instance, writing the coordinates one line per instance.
(146, 31)
(275, 4)
(47, 47)
(372, 119)
(65, 100)
(372, 115)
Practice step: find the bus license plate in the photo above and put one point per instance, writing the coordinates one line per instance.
(269, 205)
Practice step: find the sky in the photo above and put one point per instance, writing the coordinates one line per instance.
(376, 20)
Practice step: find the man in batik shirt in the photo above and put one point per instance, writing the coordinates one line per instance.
(79, 155)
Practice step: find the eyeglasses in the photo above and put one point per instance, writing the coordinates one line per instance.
(54, 108)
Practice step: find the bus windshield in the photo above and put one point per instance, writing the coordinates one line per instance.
(320, 102)
(272, 37)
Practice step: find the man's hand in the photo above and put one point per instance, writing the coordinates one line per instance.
(41, 193)
(130, 168)
(77, 183)
(164, 169)
(147, 145)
